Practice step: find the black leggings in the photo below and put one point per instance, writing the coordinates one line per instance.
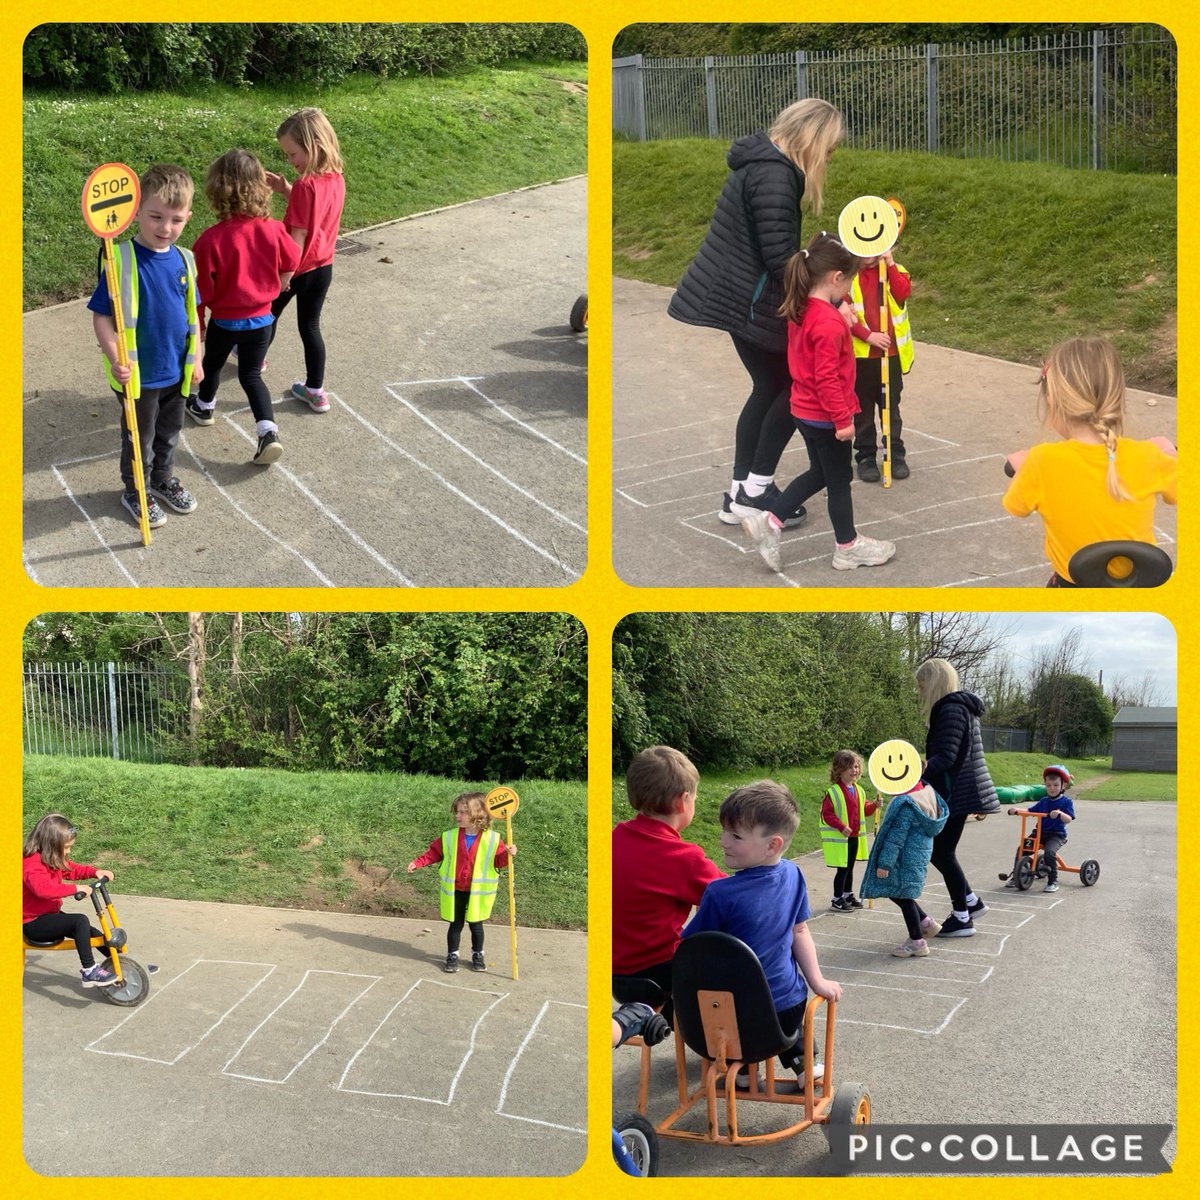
(454, 930)
(843, 877)
(61, 925)
(764, 426)
(252, 350)
(309, 290)
(945, 860)
(913, 914)
(829, 468)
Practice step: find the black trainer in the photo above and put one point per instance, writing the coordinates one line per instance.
(900, 469)
(174, 495)
(742, 505)
(270, 449)
(852, 900)
(155, 517)
(868, 470)
(451, 963)
(840, 905)
(953, 927)
(478, 962)
(977, 909)
(202, 416)
(725, 516)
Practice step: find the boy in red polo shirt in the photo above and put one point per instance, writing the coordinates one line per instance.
(657, 876)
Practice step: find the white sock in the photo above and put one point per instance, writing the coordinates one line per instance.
(757, 484)
(261, 427)
(972, 899)
(962, 916)
(207, 405)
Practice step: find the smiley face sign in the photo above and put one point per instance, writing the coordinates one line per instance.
(894, 767)
(868, 226)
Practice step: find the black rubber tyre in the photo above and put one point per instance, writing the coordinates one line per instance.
(640, 1140)
(1089, 872)
(851, 1106)
(134, 986)
(1024, 874)
(579, 314)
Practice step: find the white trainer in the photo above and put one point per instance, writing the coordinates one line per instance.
(765, 537)
(862, 552)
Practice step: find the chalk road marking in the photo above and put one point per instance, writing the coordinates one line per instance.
(512, 1066)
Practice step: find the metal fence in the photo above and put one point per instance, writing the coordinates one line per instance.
(1101, 99)
(102, 710)
(996, 738)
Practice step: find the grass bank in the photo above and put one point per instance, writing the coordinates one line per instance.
(338, 841)
(1094, 780)
(1006, 258)
(409, 145)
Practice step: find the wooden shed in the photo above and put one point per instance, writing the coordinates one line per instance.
(1144, 739)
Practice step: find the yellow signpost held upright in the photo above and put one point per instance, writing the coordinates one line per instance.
(111, 197)
(503, 802)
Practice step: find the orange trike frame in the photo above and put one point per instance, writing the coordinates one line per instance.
(1088, 871)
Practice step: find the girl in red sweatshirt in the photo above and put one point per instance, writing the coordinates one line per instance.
(243, 262)
(44, 869)
(821, 361)
(471, 856)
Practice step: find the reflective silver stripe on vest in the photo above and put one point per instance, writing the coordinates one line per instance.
(127, 270)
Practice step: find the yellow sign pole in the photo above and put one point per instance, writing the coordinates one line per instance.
(503, 801)
(874, 835)
(885, 303)
(111, 196)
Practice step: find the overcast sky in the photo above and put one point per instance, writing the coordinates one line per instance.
(1128, 644)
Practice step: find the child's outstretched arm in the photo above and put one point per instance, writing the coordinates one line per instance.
(432, 855)
(805, 954)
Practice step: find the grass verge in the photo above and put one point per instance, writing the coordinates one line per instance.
(337, 841)
(808, 784)
(409, 145)
(1007, 259)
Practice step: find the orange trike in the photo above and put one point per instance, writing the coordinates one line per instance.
(1029, 862)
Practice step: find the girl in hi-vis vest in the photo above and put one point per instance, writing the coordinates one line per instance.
(844, 810)
(471, 856)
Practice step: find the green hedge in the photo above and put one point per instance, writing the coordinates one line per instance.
(180, 55)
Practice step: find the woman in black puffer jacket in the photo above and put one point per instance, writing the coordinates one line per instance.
(735, 282)
(956, 770)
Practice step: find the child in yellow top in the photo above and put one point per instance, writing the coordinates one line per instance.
(1095, 486)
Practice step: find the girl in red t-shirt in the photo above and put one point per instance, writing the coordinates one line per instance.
(821, 362)
(45, 868)
(314, 211)
(242, 264)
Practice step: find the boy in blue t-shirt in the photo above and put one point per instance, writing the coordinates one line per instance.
(158, 287)
(1060, 812)
(765, 902)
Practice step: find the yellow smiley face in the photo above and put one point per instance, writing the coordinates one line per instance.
(868, 226)
(894, 767)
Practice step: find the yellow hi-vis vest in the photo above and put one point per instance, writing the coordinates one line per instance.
(485, 879)
(127, 283)
(900, 324)
(833, 841)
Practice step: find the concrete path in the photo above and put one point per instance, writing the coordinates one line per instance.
(453, 454)
(677, 392)
(1084, 977)
(293, 1043)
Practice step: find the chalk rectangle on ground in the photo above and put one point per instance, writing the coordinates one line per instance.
(557, 1037)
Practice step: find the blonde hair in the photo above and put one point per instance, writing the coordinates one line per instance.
(764, 805)
(843, 760)
(473, 802)
(935, 678)
(172, 185)
(49, 839)
(808, 132)
(1082, 382)
(311, 131)
(657, 777)
(236, 185)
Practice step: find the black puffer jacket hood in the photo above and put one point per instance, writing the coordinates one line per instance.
(954, 761)
(735, 282)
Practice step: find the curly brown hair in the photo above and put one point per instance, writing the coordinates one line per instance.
(473, 803)
(236, 185)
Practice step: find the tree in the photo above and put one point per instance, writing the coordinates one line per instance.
(1071, 712)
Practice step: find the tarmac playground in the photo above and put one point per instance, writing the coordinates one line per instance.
(677, 392)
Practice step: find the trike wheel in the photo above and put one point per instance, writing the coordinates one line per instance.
(1024, 874)
(134, 986)
(1089, 872)
(579, 314)
(640, 1141)
(851, 1106)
